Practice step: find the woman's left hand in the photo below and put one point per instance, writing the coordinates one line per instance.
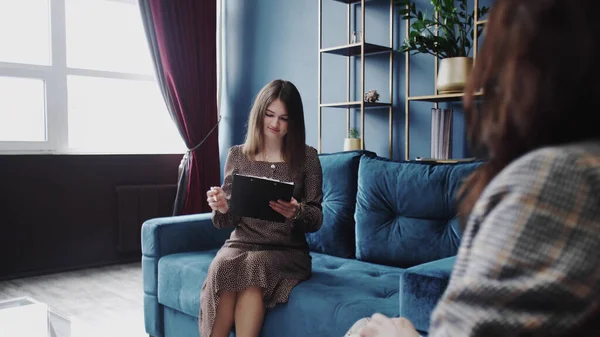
(382, 326)
(287, 209)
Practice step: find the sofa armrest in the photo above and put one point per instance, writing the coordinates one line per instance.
(170, 235)
(179, 234)
(421, 287)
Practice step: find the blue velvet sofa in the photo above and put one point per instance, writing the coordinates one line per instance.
(387, 243)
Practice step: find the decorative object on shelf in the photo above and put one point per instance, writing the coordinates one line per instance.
(372, 96)
(453, 74)
(446, 161)
(446, 36)
(356, 37)
(353, 142)
(441, 133)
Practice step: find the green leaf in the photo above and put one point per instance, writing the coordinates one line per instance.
(483, 11)
(402, 3)
(453, 24)
(418, 25)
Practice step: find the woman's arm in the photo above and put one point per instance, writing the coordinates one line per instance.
(223, 220)
(531, 262)
(310, 214)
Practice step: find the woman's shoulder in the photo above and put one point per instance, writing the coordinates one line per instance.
(311, 158)
(558, 159)
(236, 149)
(556, 175)
(559, 164)
(311, 151)
(236, 153)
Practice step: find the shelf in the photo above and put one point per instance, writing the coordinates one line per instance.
(354, 49)
(481, 22)
(356, 104)
(350, 1)
(445, 161)
(440, 98)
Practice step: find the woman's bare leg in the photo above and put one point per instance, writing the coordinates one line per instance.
(249, 312)
(224, 316)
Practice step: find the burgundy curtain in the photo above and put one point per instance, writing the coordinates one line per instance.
(182, 37)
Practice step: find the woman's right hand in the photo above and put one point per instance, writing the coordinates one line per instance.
(382, 326)
(216, 200)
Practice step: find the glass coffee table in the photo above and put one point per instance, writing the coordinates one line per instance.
(25, 316)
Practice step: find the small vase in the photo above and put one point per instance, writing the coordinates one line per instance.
(352, 144)
(453, 74)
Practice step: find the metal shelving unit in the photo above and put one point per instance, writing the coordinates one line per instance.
(360, 49)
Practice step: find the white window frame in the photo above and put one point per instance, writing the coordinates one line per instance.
(55, 78)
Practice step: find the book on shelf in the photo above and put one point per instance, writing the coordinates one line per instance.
(445, 161)
(250, 196)
(441, 133)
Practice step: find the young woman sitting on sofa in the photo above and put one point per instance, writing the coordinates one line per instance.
(528, 264)
(262, 261)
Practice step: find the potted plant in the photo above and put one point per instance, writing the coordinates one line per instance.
(352, 143)
(452, 43)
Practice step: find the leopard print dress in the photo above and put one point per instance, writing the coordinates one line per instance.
(271, 255)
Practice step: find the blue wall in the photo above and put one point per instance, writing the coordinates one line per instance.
(270, 39)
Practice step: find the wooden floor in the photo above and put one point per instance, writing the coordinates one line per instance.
(105, 301)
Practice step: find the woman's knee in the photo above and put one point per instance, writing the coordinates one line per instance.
(227, 295)
(253, 290)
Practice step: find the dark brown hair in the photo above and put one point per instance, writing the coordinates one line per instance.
(538, 70)
(294, 142)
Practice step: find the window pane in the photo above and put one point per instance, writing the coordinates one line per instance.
(22, 109)
(116, 116)
(107, 35)
(25, 31)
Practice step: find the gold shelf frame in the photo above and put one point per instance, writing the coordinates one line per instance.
(360, 49)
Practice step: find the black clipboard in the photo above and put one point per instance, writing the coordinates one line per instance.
(250, 197)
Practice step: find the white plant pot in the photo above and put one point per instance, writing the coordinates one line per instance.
(453, 74)
(352, 144)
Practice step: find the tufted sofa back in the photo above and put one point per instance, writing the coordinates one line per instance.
(406, 211)
(340, 179)
(386, 212)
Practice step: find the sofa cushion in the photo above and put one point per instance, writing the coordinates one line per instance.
(344, 290)
(340, 175)
(180, 279)
(406, 211)
(421, 287)
(339, 292)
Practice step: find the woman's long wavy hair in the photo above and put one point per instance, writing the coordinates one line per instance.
(539, 71)
(294, 142)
